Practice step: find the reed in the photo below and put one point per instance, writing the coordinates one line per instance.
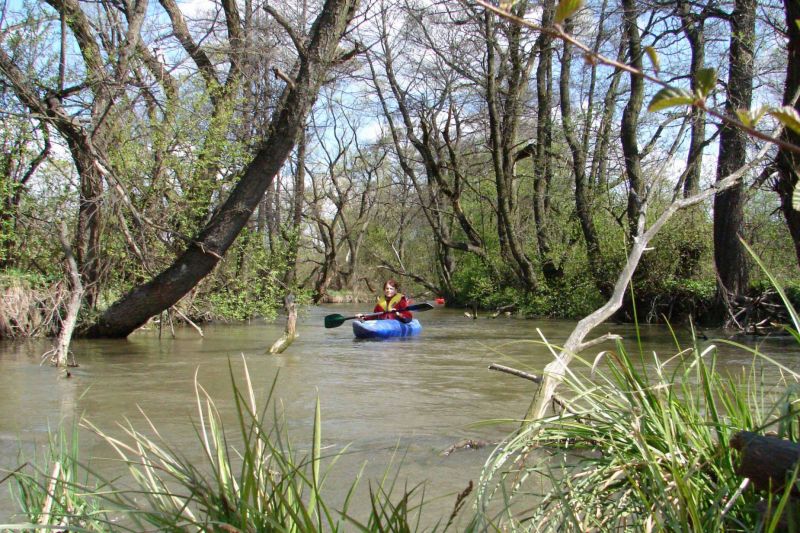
(29, 309)
(60, 497)
(634, 452)
(250, 478)
(642, 444)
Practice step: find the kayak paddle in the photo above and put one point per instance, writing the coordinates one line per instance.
(334, 321)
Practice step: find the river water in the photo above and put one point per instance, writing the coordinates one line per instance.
(404, 400)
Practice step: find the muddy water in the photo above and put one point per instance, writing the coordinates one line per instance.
(404, 400)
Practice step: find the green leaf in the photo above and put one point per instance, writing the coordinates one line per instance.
(567, 8)
(750, 118)
(787, 115)
(653, 55)
(670, 97)
(706, 80)
(745, 117)
(796, 197)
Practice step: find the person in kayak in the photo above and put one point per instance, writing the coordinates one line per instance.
(392, 300)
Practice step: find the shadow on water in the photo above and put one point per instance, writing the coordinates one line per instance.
(407, 399)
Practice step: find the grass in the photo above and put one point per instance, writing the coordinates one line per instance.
(250, 478)
(642, 444)
(635, 451)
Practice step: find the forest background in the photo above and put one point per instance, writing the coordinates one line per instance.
(207, 161)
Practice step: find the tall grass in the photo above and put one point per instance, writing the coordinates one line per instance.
(634, 452)
(29, 308)
(61, 497)
(642, 444)
(250, 478)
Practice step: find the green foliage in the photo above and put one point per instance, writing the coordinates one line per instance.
(635, 448)
(12, 277)
(247, 285)
(788, 116)
(670, 97)
(565, 9)
(673, 279)
(568, 297)
(8, 234)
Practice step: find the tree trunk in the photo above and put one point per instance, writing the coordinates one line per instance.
(695, 33)
(166, 289)
(293, 240)
(789, 162)
(582, 201)
(630, 119)
(506, 82)
(729, 254)
(544, 137)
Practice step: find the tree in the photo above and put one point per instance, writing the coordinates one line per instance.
(729, 254)
(788, 160)
(88, 141)
(630, 118)
(316, 55)
(578, 151)
(428, 107)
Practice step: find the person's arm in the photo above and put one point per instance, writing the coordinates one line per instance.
(376, 309)
(403, 316)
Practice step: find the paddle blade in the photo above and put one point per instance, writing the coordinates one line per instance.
(334, 321)
(425, 306)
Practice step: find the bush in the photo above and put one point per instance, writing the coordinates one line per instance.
(31, 305)
(246, 285)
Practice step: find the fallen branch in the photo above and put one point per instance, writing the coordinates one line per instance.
(188, 321)
(554, 372)
(290, 333)
(60, 353)
(515, 372)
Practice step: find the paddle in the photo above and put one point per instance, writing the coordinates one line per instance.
(334, 321)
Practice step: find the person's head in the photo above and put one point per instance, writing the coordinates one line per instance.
(390, 288)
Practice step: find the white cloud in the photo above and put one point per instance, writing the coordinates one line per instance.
(196, 7)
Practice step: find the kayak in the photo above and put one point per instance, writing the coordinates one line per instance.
(383, 329)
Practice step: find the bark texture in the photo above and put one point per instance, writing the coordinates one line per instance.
(789, 162)
(729, 254)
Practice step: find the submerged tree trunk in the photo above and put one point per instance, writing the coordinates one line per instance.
(60, 354)
(166, 289)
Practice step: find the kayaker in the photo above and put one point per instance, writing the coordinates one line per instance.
(392, 300)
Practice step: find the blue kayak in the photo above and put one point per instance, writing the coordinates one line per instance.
(383, 329)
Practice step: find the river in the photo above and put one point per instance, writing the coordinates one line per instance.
(402, 400)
